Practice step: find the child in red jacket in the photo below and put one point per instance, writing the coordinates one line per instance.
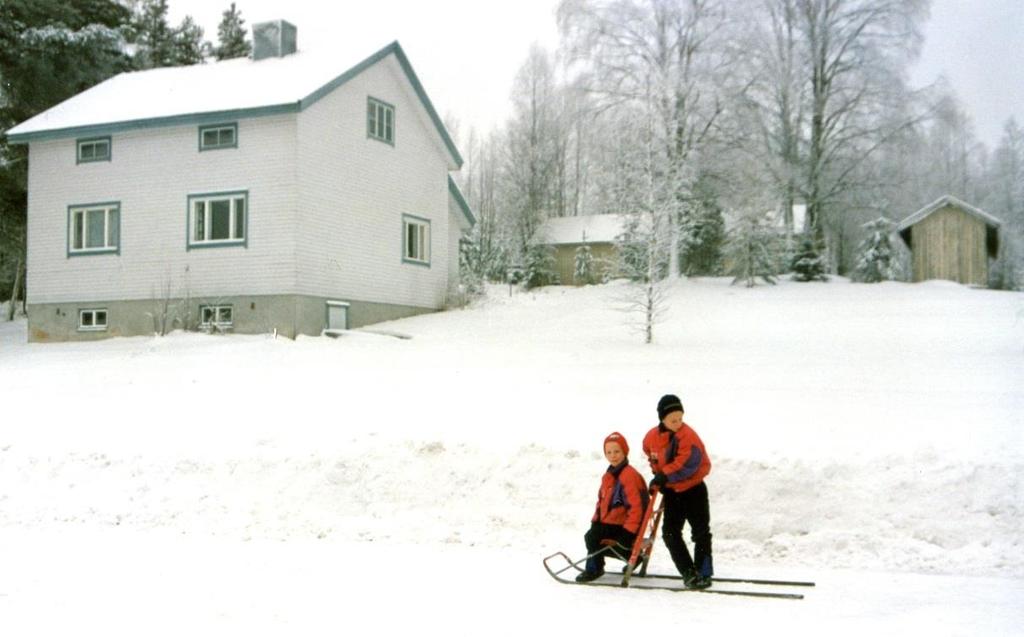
(680, 464)
(620, 507)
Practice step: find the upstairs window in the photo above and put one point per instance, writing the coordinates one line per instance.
(93, 149)
(415, 240)
(94, 229)
(380, 120)
(217, 137)
(217, 219)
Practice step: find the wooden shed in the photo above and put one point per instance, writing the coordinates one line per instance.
(566, 234)
(950, 239)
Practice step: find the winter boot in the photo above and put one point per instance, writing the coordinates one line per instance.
(588, 576)
(693, 579)
(593, 570)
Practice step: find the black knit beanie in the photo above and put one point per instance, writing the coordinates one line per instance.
(667, 405)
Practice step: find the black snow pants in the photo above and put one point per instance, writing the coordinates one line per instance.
(689, 506)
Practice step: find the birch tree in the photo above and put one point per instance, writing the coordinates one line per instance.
(856, 52)
(774, 97)
(658, 54)
(531, 150)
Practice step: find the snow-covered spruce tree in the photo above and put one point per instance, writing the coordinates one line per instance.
(808, 264)
(158, 44)
(231, 36)
(703, 233)
(188, 44)
(583, 271)
(751, 250)
(540, 267)
(875, 259)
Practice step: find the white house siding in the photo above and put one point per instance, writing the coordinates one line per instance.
(151, 174)
(353, 191)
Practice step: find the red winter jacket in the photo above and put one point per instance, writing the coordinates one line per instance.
(680, 456)
(620, 500)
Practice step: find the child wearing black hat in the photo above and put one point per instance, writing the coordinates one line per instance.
(680, 464)
(621, 500)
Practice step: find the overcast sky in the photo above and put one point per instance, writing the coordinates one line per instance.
(466, 52)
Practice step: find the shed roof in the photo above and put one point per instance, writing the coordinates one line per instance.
(948, 200)
(583, 229)
(991, 223)
(208, 93)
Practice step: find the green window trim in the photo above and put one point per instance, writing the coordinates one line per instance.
(217, 220)
(380, 120)
(416, 240)
(218, 136)
(94, 229)
(92, 149)
(92, 320)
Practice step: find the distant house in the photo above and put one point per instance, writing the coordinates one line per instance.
(567, 234)
(950, 239)
(294, 191)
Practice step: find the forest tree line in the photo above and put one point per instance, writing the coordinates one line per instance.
(713, 119)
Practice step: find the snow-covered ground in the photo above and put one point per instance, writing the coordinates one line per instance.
(868, 437)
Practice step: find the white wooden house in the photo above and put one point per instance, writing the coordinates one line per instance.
(293, 191)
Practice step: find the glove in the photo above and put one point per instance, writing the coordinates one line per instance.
(658, 481)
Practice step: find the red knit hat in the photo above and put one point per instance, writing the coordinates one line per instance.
(617, 438)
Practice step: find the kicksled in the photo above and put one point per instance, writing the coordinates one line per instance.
(635, 574)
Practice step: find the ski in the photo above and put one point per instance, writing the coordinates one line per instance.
(736, 580)
(557, 576)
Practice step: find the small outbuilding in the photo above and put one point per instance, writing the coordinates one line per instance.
(567, 234)
(951, 239)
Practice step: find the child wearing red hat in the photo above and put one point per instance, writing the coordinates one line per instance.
(680, 464)
(620, 507)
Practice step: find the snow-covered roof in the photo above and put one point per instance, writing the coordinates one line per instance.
(948, 200)
(203, 93)
(582, 229)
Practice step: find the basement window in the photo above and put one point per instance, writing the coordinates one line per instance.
(218, 317)
(92, 320)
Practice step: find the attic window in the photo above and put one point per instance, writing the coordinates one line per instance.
(380, 120)
(93, 149)
(217, 137)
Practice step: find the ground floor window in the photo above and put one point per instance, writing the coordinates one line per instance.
(92, 320)
(415, 240)
(217, 317)
(94, 228)
(217, 219)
